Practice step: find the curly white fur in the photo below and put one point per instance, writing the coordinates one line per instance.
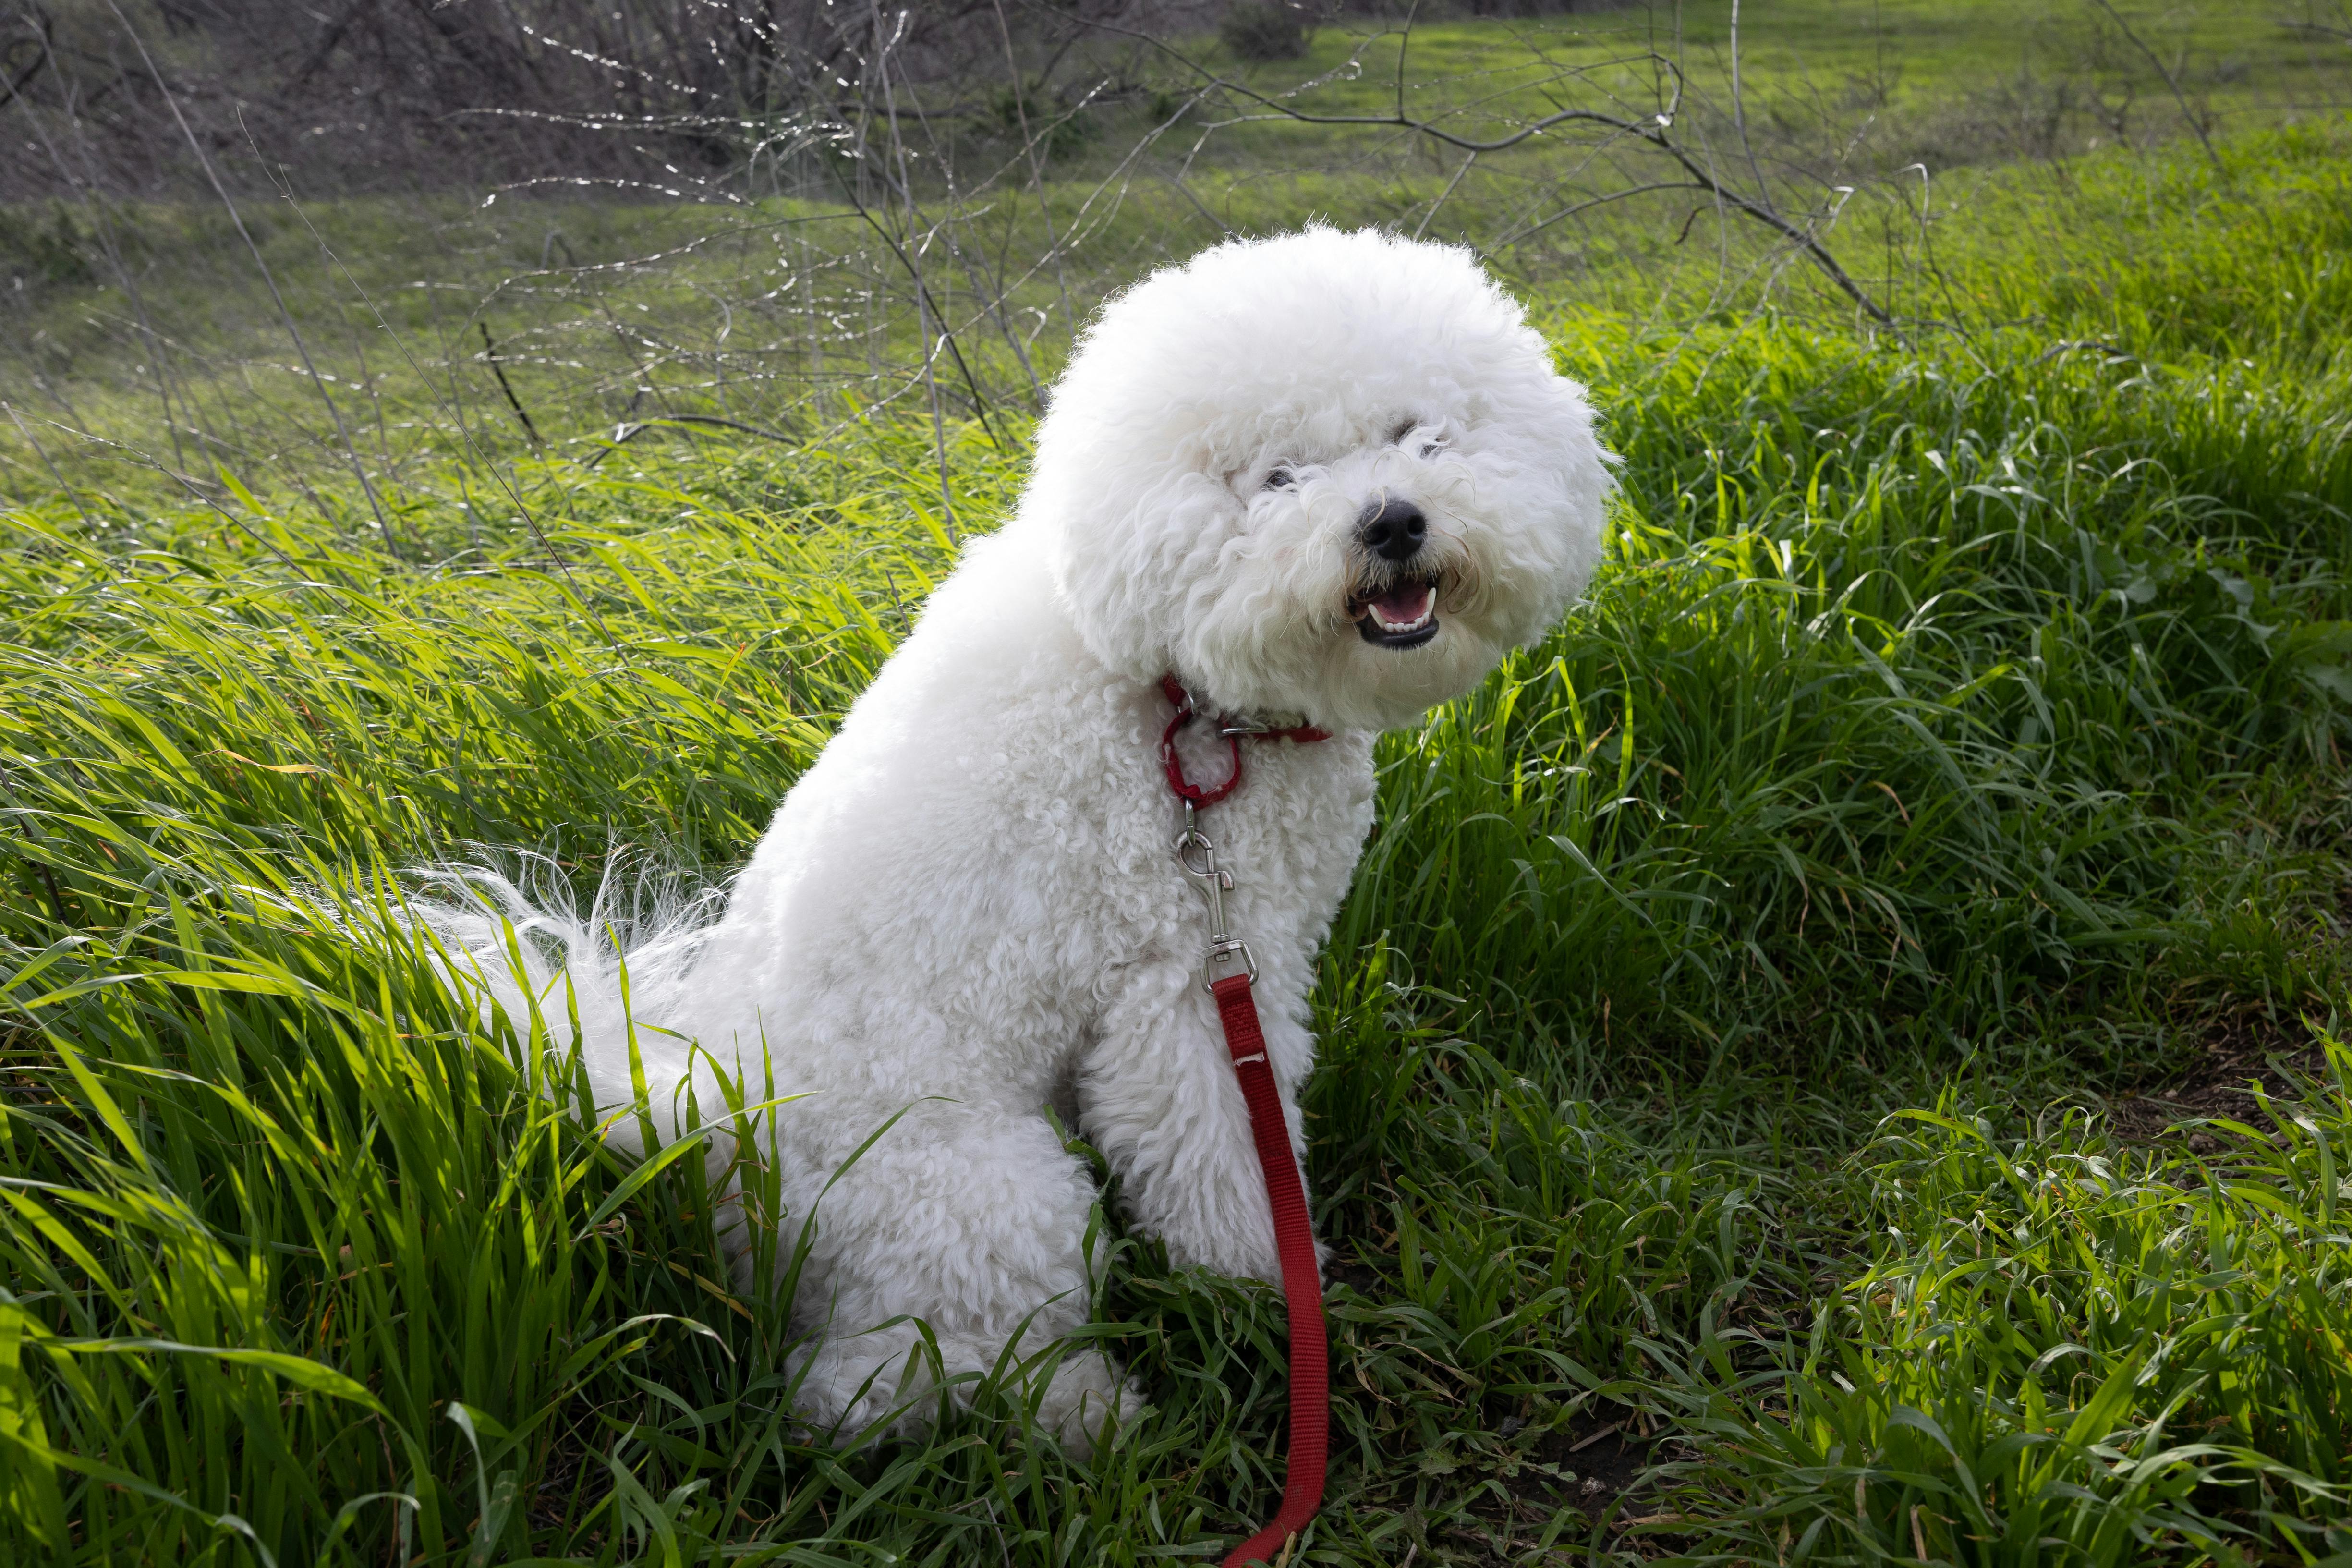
(968, 908)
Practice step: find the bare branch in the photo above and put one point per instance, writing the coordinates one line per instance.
(1654, 130)
(2172, 80)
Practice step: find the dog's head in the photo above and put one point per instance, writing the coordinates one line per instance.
(1328, 475)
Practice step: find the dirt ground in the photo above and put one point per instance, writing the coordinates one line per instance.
(2238, 1053)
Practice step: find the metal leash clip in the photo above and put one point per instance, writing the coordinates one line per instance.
(1198, 857)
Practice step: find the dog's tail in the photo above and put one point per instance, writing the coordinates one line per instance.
(615, 981)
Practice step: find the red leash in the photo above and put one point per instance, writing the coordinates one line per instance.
(1302, 1286)
(1310, 1371)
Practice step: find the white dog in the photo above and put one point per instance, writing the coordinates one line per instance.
(1328, 478)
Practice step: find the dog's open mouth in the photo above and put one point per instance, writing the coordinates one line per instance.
(1400, 614)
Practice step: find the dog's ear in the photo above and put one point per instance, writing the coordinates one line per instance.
(1123, 539)
(1588, 472)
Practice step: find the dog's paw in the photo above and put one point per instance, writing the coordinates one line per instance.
(855, 1387)
(1087, 1398)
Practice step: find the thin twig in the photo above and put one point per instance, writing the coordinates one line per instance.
(187, 484)
(42, 452)
(490, 349)
(455, 406)
(922, 294)
(2179, 95)
(172, 102)
(1423, 226)
(630, 429)
(1534, 228)
(915, 272)
(1653, 131)
(1037, 178)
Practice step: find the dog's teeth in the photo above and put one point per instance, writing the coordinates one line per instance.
(1389, 622)
(1414, 625)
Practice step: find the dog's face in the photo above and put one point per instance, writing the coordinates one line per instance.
(1332, 476)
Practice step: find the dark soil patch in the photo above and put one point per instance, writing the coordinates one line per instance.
(2238, 1050)
(1604, 1456)
(1583, 1470)
(1356, 1274)
(1528, 1484)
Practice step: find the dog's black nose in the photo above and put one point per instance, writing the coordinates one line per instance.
(1392, 530)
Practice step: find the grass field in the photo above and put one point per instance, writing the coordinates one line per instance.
(1784, 1052)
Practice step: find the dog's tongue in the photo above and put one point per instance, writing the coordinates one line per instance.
(1403, 606)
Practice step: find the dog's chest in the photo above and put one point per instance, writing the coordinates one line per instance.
(1287, 838)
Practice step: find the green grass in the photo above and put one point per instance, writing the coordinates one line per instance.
(2061, 1350)
(1718, 1040)
(1985, 81)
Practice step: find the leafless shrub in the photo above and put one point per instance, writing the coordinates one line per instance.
(394, 94)
(2330, 21)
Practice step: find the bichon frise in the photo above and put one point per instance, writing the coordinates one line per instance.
(1328, 480)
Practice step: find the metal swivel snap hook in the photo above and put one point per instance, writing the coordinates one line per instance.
(1198, 857)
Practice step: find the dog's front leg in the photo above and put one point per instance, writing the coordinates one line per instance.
(1158, 1096)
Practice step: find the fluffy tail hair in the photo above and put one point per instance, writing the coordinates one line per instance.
(517, 943)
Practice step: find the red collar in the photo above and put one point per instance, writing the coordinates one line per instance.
(1232, 729)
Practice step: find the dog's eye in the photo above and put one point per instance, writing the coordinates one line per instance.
(1282, 479)
(1433, 445)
